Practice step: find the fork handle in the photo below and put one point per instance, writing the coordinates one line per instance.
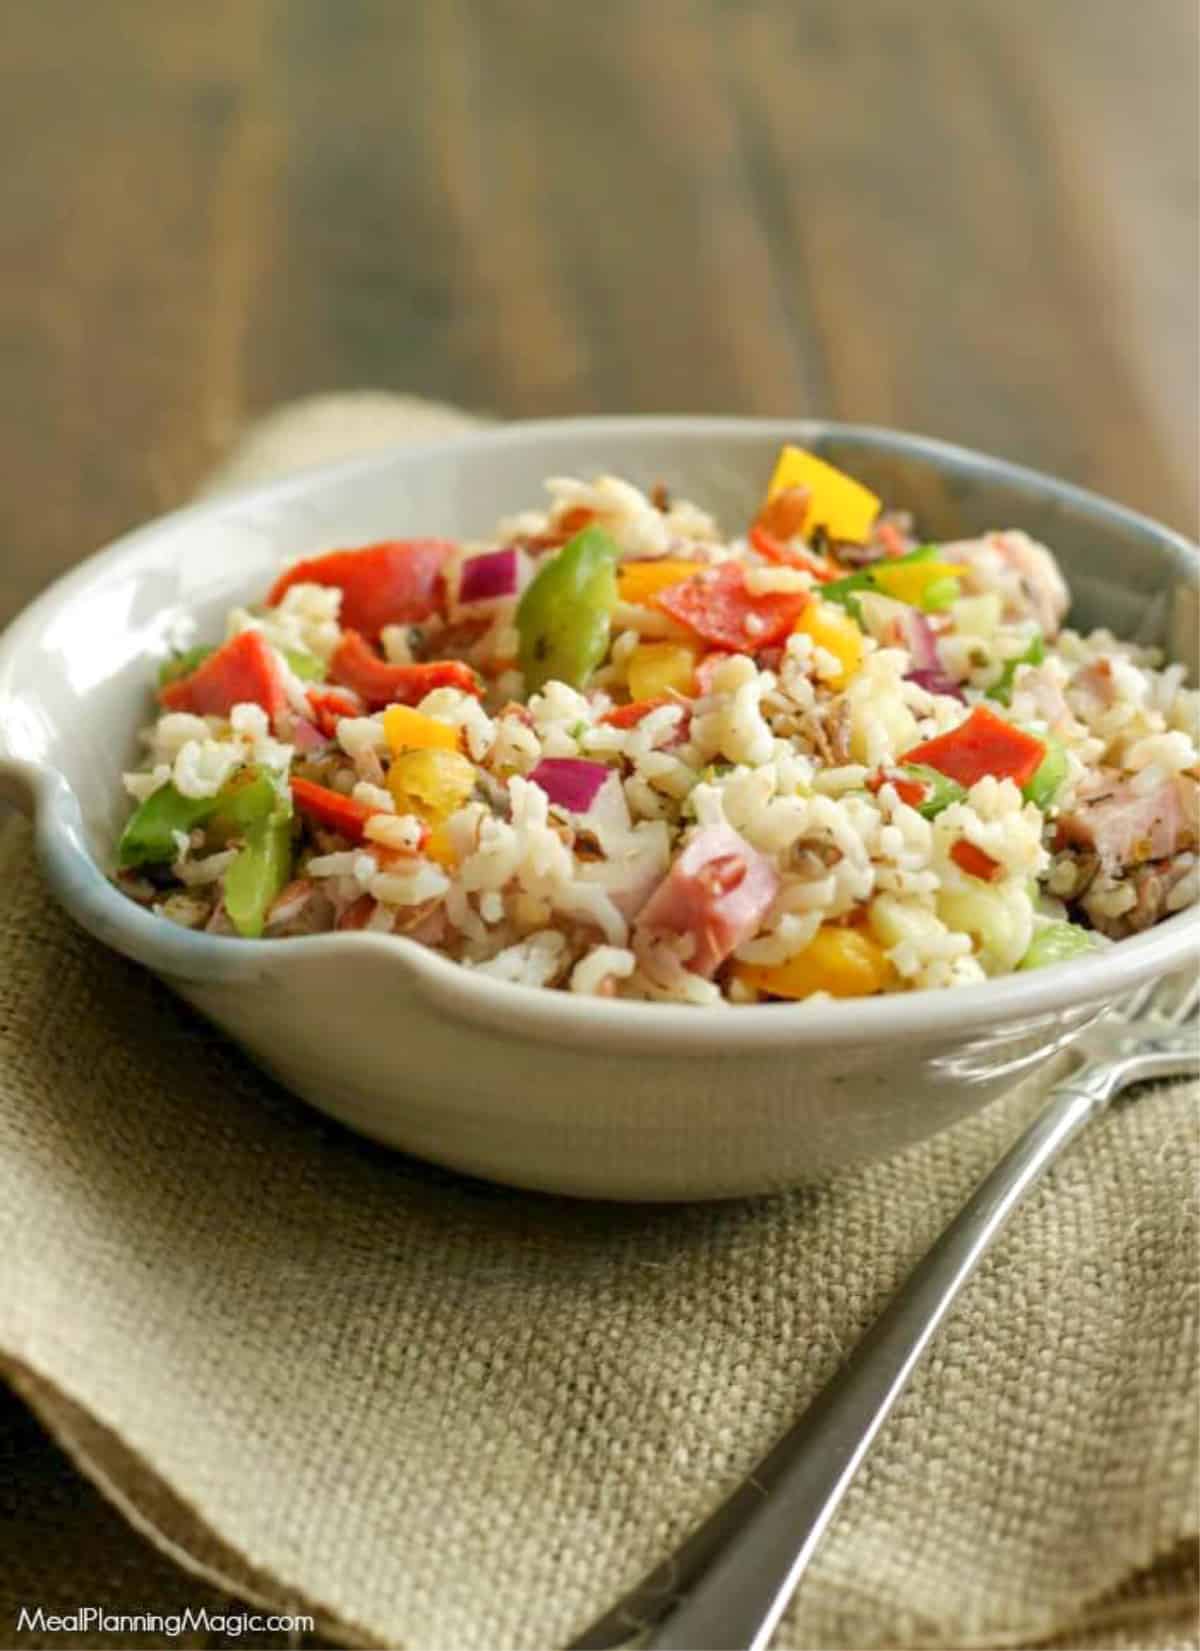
(740, 1597)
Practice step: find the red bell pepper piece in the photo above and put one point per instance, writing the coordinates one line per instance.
(356, 665)
(329, 705)
(908, 790)
(331, 809)
(573, 521)
(775, 550)
(975, 861)
(628, 716)
(244, 671)
(983, 744)
(717, 605)
(568, 525)
(397, 582)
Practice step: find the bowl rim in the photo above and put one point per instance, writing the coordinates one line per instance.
(200, 959)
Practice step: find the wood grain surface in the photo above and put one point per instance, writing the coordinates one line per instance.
(968, 218)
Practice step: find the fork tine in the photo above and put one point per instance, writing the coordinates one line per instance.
(1135, 1005)
(1171, 999)
(1188, 1004)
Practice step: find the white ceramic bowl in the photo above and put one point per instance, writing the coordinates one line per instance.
(544, 1089)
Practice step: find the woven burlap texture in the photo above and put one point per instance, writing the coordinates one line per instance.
(441, 1414)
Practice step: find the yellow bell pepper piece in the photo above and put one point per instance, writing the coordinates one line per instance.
(843, 507)
(842, 961)
(408, 730)
(832, 628)
(657, 668)
(908, 581)
(439, 848)
(431, 784)
(639, 581)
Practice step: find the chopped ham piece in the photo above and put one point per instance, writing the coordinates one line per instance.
(717, 892)
(630, 877)
(1020, 570)
(1127, 827)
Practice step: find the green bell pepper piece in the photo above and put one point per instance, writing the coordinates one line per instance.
(941, 790)
(183, 664)
(305, 665)
(148, 837)
(1034, 654)
(1056, 943)
(846, 591)
(250, 796)
(564, 618)
(263, 866)
(923, 553)
(940, 593)
(254, 807)
(1049, 775)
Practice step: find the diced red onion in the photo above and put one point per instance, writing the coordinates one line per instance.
(928, 672)
(484, 578)
(570, 782)
(306, 737)
(937, 681)
(919, 638)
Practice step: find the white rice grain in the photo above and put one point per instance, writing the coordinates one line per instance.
(357, 735)
(534, 961)
(409, 888)
(595, 972)
(376, 797)
(402, 833)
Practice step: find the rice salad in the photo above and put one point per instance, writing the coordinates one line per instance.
(615, 752)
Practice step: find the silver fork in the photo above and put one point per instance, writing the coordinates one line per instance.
(727, 1586)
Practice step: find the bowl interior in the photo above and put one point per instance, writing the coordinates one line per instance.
(75, 669)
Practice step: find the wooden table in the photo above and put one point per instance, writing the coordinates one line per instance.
(969, 218)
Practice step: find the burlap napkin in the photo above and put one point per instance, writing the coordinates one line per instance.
(435, 1413)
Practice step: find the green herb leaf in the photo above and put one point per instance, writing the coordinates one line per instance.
(183, 664)
(1001, 690)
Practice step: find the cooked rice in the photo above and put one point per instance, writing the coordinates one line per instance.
(777, 748)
